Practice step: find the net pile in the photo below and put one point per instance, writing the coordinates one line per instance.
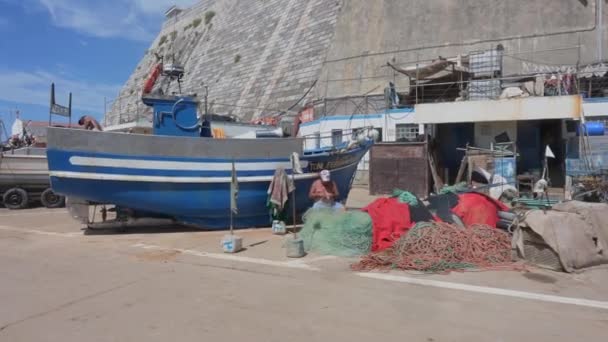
(454, 189)
(441, 247)
(328, 232)
(405, 197)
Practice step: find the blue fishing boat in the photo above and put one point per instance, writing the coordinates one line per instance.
(179, 175)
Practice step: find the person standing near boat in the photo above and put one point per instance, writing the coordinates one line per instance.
(325, 192)
(89, 123)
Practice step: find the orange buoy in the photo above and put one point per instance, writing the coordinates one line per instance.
(151, 80)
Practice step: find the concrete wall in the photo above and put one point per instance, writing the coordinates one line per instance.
(525, 108)
(596, 107)
(252, 54)
(267, 53)
(371, 33)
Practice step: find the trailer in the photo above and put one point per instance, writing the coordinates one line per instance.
(24, 179)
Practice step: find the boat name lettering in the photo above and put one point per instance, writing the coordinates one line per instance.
(334, 164)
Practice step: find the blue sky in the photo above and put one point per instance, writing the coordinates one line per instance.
(87, 47)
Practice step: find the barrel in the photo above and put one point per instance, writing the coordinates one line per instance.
(593, 128)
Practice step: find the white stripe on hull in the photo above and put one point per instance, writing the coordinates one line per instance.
(178, 165)
(167, 179)
(164, 179)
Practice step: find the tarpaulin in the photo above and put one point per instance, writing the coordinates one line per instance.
(477, 208)
(390, 220)
(576, 231)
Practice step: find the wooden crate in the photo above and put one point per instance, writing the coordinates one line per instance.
(399, 165)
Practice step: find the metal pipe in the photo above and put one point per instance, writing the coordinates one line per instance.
(293, 197)
(600, 29)
(105, 111)
(206, 103)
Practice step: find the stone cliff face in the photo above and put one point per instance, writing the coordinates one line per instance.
(257, 57)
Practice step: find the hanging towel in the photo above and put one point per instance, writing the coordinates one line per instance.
(280, 188)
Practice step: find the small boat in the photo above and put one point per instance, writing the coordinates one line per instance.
(177, 174)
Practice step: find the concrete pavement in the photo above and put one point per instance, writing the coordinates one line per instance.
(57, 284)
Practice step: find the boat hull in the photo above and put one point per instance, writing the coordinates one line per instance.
(24, 168)
(203, 204)
(193, 188)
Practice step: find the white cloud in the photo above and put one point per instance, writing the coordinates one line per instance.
(137, 20)
(34, 88)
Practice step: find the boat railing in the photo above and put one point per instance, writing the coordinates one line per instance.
(336, 139)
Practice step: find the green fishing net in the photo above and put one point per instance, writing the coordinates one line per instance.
(339, 233)
(454, 189)
(405, 197)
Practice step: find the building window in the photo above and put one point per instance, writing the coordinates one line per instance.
(336, 137)
(317, 140)
(406, 132)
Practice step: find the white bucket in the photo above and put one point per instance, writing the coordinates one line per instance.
(295, 248)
